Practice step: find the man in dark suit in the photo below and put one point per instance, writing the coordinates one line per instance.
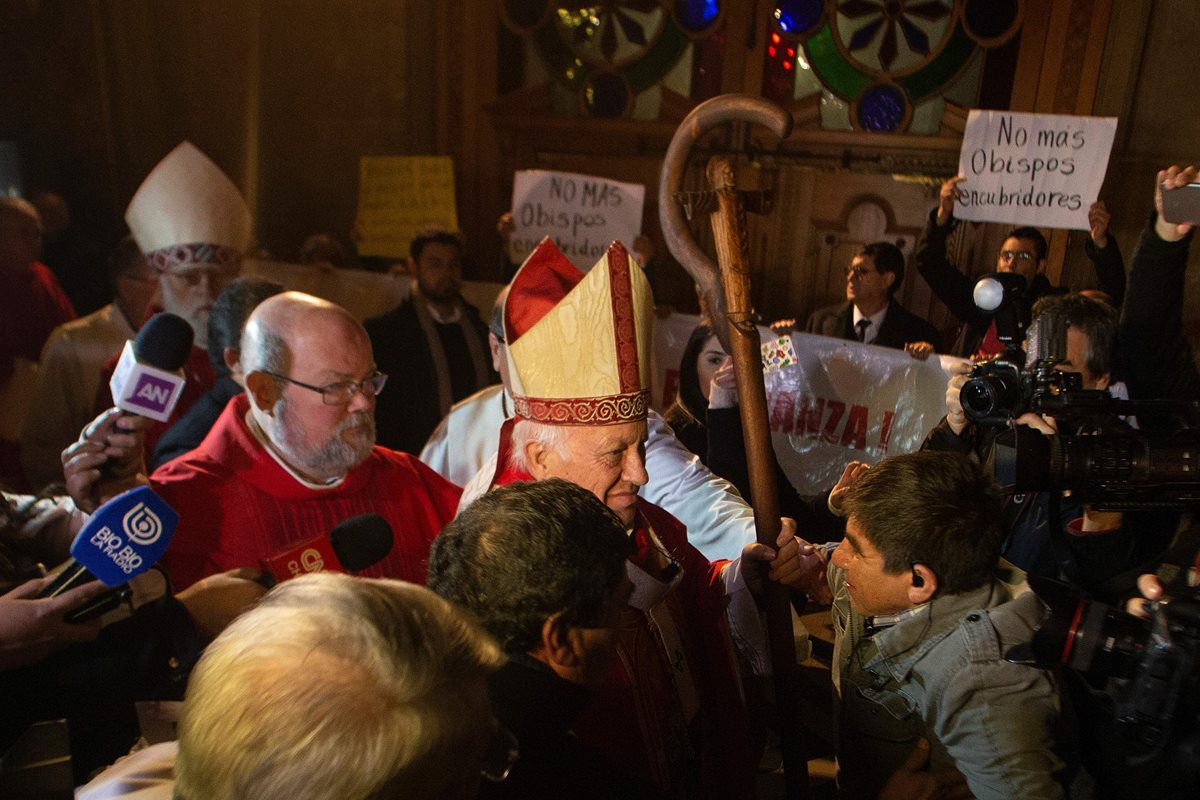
(434, 343)
(871, 314)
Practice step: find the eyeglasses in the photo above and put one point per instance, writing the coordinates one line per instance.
(193, 276)
(1009, 256)
(338, 394)
(502, 755)
(857, 272)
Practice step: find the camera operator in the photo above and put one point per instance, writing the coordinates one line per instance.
(1050, 534)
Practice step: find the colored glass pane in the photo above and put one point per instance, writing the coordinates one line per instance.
(606, 95)
(558, 57)
(657, 61)
(797, 16)
(987, 19)
(942, 69)
(696, 15)
(881, 108)
(831, 66)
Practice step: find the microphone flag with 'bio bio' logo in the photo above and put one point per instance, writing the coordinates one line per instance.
(126, 536)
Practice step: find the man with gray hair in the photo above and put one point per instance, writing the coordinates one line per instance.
(332, 688)
(295, 454)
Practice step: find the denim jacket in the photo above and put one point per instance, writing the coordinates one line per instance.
(941, 674)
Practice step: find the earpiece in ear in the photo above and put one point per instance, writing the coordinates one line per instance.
(917, 581)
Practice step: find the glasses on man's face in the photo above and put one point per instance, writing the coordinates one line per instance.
(858, 272)
(342, 392)
(1009, 256)
(193, 276)
(502, 755)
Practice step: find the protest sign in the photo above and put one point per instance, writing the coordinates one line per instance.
(830, 401)
(583, 214)
(1032, 169)
(400, 195)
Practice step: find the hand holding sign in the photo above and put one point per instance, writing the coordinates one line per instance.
(1030, 169)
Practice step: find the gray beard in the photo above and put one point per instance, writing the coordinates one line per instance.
(332, 458)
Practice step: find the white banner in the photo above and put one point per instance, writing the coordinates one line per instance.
(1032, 169)
(841, 401)
(583, 214)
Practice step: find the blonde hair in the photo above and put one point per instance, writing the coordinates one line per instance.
(336, 688)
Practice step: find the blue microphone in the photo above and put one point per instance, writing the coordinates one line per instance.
(123, 539)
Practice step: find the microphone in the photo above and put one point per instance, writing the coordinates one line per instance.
(353, 545)
(149, 376)
(123, 539)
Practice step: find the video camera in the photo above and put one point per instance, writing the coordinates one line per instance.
(1150, 669)
(1097, 455)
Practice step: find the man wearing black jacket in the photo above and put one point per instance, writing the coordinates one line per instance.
(434, 345)
(557, 629)
(1023, 252)
(871, 314)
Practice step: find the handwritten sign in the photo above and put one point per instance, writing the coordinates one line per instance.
(583, 214)
(399, 196)
(1032, 169)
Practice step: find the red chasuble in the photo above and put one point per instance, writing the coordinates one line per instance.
(237, 505)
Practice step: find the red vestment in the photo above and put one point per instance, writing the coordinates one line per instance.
(237, 505)
(636, 719)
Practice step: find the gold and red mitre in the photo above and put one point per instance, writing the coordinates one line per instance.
(579, 344)
(187, 211)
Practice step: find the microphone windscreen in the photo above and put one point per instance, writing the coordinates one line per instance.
(361, 541)
(164, 342)
(126, 536)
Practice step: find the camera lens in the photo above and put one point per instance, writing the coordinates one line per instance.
(982, 397)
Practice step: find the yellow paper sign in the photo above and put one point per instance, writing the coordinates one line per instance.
(400, 195)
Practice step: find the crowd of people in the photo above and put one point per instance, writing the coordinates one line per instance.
(571, 600)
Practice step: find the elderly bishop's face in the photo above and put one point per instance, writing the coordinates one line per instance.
(607, 460)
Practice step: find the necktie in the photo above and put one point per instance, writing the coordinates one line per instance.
(862, 326)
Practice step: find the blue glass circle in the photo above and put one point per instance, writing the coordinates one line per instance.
(797, 16)
(696, 15)
(881, 108)
(606, 95)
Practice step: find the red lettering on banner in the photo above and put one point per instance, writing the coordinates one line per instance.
(783, 419)
(836, 410)
(670, 387)
(885, 431)
(855, 433)
(809, 417)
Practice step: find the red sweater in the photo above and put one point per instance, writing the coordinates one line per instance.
(237, 505)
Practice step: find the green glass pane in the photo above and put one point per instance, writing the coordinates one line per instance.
(559, 58)
(930, 78)
(658, 60)
(827, 62)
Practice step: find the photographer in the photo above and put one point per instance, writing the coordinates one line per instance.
(1050, 534)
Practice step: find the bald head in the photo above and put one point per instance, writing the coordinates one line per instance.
(283, 328)
(20, 234)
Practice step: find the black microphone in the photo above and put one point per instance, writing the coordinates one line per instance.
(353, 545)
(149, 376)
